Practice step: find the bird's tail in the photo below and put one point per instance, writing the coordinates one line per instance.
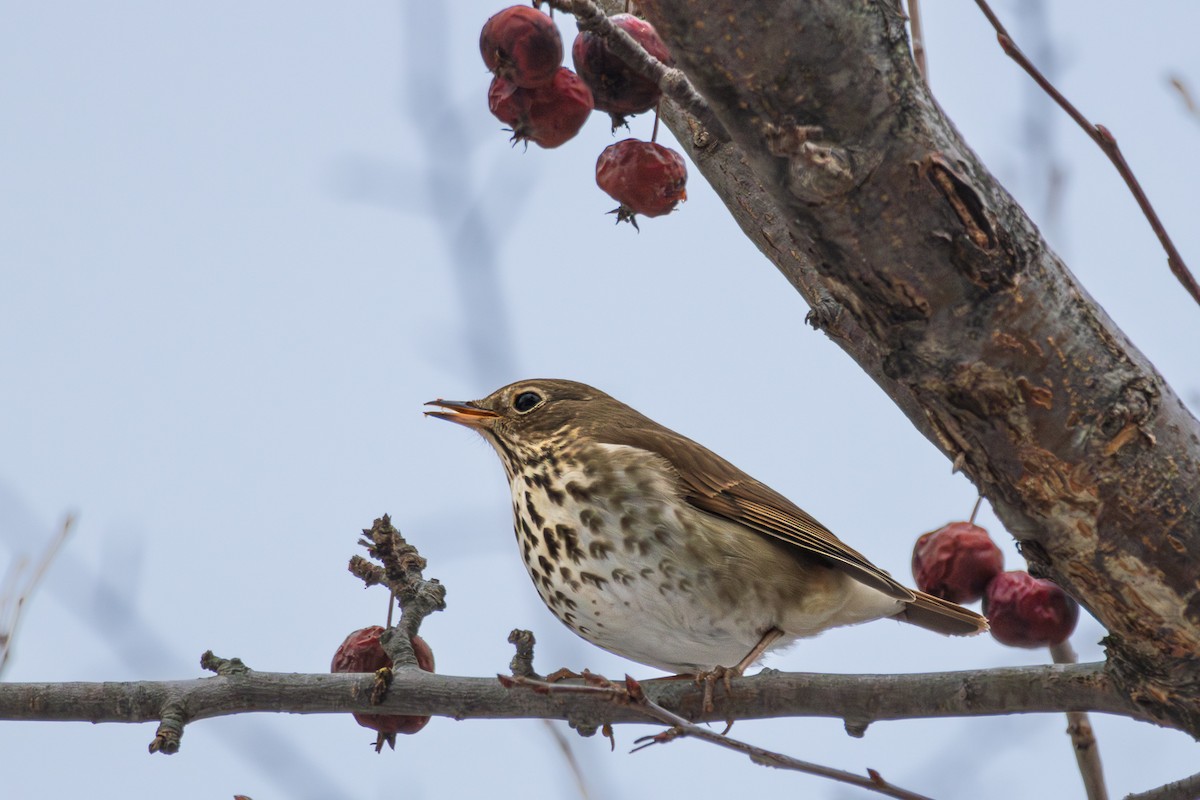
(936, 614)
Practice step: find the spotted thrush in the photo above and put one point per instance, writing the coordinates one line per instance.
(657, 549)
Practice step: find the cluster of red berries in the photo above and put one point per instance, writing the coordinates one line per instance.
(546, 103)
(959, 562)
(362, 652)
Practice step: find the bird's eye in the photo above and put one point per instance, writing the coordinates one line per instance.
(525, 401)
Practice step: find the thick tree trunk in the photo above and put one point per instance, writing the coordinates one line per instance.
(848, 176)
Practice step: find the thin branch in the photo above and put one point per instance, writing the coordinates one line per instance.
(671, 81)
(1186, 789)
(859, 700)
(632, 695)
(1106, 142)
(1083, 737)
(918, 37)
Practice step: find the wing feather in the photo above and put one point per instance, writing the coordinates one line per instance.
(712, 484)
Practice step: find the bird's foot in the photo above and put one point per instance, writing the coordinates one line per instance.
(708, 680)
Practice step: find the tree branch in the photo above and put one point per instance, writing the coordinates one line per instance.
(847, 175)
(858, 699)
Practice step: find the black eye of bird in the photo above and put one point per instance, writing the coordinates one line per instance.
(525, 401)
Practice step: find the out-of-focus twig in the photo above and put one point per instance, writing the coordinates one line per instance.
(568, 753)
(14, 596)
(1083, 737)
(1106, 142)
(1185, 94)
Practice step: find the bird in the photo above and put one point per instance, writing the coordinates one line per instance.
(655, 548)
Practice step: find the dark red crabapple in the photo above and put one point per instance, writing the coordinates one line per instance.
(548, 115)
(956, 561)
(522, 45)
(644, 177)
(616, 88)
(362, 652)
(1025, 611)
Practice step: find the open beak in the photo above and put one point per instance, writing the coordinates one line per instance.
(467, 413)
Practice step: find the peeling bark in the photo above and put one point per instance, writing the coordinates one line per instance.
(847, 175)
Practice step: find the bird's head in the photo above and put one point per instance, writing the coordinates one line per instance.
(530, 413)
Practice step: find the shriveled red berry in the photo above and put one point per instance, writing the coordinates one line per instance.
(547, 115)
(956, 561)
(522, 45)
(644, 177)
(616, 87)
(362, 652)
(1025, 611)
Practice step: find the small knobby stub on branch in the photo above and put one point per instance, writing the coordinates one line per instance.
(521, 665)
(402, 572)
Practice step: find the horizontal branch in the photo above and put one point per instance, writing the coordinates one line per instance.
(857, 699)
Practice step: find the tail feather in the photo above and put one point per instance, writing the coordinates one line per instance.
(936, 614)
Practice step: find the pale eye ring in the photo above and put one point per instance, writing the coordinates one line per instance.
(526, 401)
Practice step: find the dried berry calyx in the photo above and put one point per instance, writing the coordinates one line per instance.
(362, 652)
(617, 88)
(1025, 611)
(548, 115)
(522, 45)
(956, 562)
(644, 177)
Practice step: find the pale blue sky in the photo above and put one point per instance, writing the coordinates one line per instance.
(241, 244)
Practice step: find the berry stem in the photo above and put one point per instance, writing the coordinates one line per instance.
(975, 510)
(654, 130)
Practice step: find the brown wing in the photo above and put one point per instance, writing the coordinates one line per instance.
(712, 484)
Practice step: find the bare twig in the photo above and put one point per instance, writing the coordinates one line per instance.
(631, 694)
(1107, 143)
(671, 81)
(1083, 737)
(402, 572)
(918, 37)
(14, 596)
(1186, 789)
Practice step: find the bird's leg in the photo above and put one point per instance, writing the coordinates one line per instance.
(726, 674)
(769, 638)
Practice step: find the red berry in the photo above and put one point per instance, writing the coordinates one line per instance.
(956, 561)
(617, 88)
(548, 115)
(362, 652)
(1025, 611)
(522, 45)
(644, 177)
